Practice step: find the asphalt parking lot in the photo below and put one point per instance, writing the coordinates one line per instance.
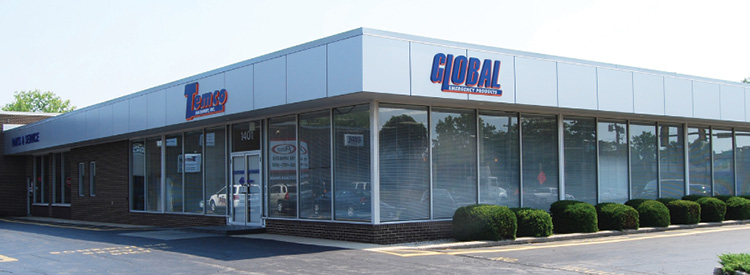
(29, 247)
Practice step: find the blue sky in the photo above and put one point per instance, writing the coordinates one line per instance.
(93, 51)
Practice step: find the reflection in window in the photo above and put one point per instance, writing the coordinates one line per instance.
(672, 161)
(216, 193)
(352, 163)
(193, 171)
(643, 161)
(499, 161)
(138, 176)
(315, 166)
(454, 161)
(39, 190)
(613, 162)
(404, 163)
(723, 162)
(173, 166)
(742, 140)
(699, 160)
(540, 160)
(580, 159)
(153, 174)
(282, 166)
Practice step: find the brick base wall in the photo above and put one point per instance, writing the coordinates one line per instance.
(379, 234)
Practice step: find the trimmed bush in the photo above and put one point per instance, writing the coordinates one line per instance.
(635, 202)
(533, 222)
(694, 197)
(684, 212)
(738, 209)
(712, 209)
(723, 198)
(665, 201)
(484, 222)
(747, 197)
(570, 216)
(653, 214)
(615, 216)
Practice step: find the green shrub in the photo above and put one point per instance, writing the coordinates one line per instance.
(731, 263)
(615, 216)
(573, 217)
(484, 222)
(684, 212)
(665, 201)
(693, 197)
(712, 209)
(635, 202)
(747, 197)
(738, 209)
(653, 214)
(533, 222)
(723, 198)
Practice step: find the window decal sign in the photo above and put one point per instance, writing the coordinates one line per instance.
(466, 75)
(203, 104)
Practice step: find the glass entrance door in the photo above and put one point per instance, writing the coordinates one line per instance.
(246, 189)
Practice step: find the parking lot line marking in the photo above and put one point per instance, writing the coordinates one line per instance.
(6, 259)
(74, 227)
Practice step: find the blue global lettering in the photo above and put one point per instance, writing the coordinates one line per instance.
(27, 139)
(205, 104)
(466, 75)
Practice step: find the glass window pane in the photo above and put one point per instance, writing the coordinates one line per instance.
(153, 174)
(499, 160)
(742, 139)
(643, 161)
(613, 162)
(404, 163)
(352, 163)
(215, 164)
(38, 183)
(282, 176)
(57, 179)
(138, 176)
(723, 162)
(454, 160)
(246, 136)
(315, 166)
(540, 161)
(699, 160)
(67, 181)
(580, 159)
(174, 166)
(193, 171)
(672, 161)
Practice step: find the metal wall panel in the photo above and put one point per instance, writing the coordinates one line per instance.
(175, 110)
(92, 123)
(747, 104)
(706, 100)
(507, 77)
(79, 126)
(678, 97)
(239, 85)
(536, 82)
(385, 65)
(421, 67)
(120, 117)
(732, 103)
(138, 108)
(270, 83)
(576, 86)
(306, 75)
(105, 120)
(648, 94)
(157, 113)
(345, 66)
(615, 90)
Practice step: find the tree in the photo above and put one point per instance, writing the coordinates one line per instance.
(36, 101)
(746, 80)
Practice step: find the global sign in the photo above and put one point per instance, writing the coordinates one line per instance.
(466, 75)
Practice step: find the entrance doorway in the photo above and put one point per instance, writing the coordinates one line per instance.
(246, 191)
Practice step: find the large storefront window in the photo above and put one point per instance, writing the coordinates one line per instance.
(742, 145)
(723, 162)
(613, 162)
(699, 160)
(580, 159)
(173, 167)
(192, 162)
(540, 160)
(215, 171)
(153, 174)
(404, 163)
(454, 160)
(499, 161)
(643, 163)
(61, 182)
(315, 166)
(282, 166)
(40, 179)
(671, 161)
(352, 200)
(138, 176)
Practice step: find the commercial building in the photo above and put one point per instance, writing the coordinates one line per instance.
(378, 137)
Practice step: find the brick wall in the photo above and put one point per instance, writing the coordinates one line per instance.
(380, 234)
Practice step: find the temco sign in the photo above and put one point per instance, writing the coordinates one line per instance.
(203, 104)
(467, 75)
